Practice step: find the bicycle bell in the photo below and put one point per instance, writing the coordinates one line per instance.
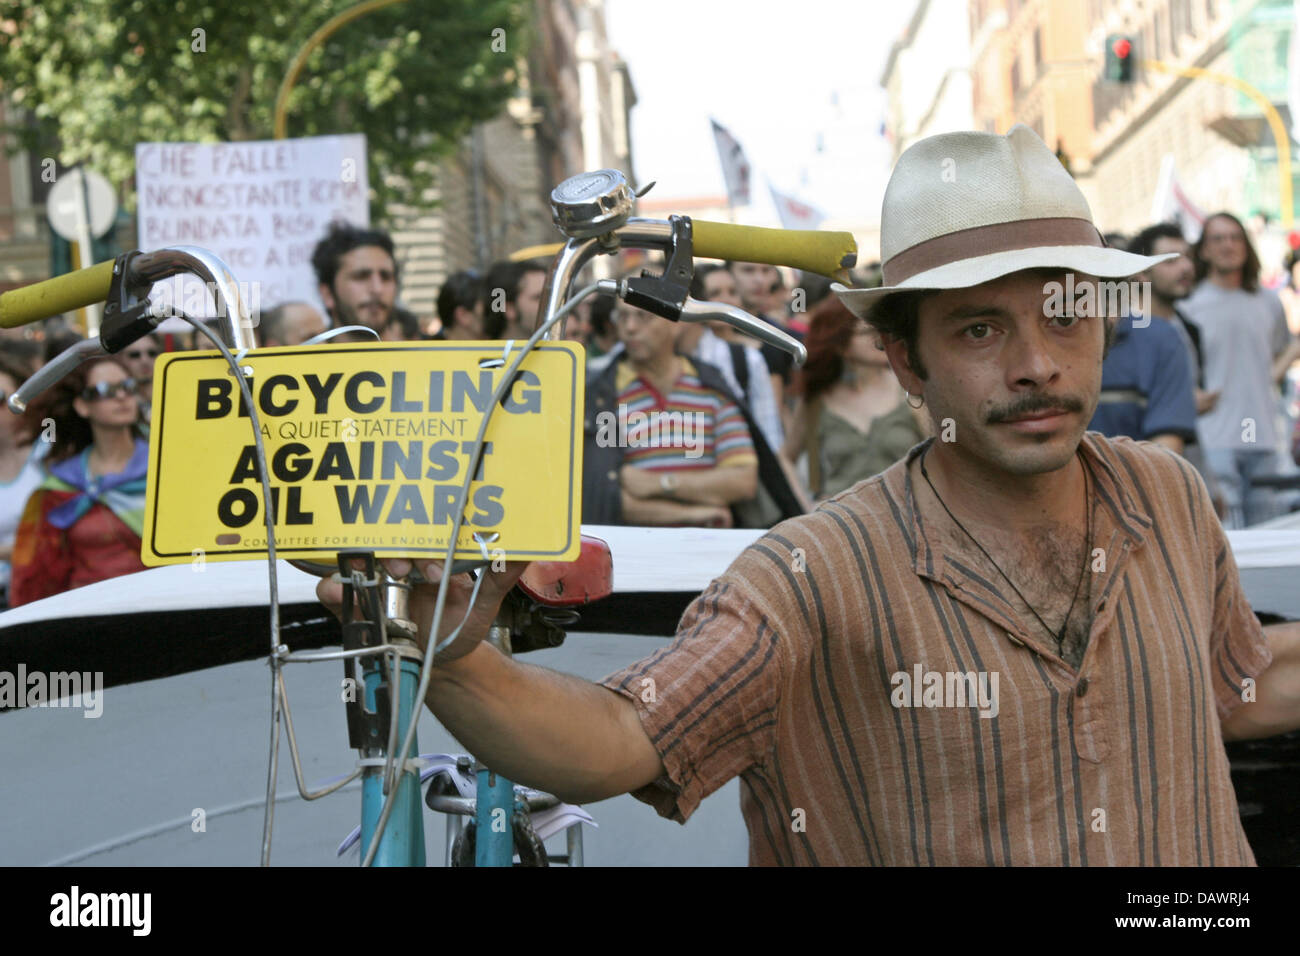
(591, 204)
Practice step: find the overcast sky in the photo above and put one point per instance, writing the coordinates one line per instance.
(785, 78)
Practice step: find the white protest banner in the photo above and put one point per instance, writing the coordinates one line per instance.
(260, 207)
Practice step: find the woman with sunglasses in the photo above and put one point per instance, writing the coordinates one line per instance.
(21, 469)
(84, 522)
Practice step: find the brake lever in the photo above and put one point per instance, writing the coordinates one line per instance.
(696, 311)
(54, 370)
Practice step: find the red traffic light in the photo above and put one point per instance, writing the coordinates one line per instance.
(1122, 47)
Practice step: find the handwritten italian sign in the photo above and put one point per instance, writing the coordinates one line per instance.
(260, 207)
(368, 447)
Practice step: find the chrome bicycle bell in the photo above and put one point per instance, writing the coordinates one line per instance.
(591, 204)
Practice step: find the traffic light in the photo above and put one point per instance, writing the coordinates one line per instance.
(1120, 54)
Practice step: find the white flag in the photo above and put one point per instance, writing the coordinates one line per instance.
(1172, 204)
(795, 214)
(735, 167)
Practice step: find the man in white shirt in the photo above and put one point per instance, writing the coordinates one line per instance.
(1247, 347)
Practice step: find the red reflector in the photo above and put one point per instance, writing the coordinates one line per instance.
(569, 583)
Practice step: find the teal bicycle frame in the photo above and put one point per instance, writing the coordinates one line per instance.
(402, 843)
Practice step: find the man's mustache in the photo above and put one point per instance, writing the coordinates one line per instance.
(1031, 404)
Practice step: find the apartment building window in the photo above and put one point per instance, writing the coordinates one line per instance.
(1038, 48)
(1015, 76)
(1158, 28)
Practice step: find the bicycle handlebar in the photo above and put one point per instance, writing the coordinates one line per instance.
(829, 253)
(826, 253)
(64, 293)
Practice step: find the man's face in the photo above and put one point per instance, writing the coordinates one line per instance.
(470, 320)
(645, 336)
(994, 357)
(528, 300)
(755, 281)
(577, 328)
(140, 356)
(365, 288)
(301, 322)
(720, 286)
(1172, 280)
(1225, 245)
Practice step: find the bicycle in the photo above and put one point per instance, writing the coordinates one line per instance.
(594, 212)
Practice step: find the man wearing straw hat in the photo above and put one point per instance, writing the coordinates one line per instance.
(1024, 644)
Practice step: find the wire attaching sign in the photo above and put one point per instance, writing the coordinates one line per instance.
(368, 447)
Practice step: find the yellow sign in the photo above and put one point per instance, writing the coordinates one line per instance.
(368, 447)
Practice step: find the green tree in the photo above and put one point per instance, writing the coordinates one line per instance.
(99, 76)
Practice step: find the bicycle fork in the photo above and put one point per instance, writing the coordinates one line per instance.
(494, 809)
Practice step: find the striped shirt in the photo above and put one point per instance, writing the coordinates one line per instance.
(691, 427)
(785, 671)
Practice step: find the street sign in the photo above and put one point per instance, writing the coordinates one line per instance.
(67, 209)
(368, 448)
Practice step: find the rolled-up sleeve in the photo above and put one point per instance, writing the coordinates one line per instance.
(708, 701)
(1239, 648)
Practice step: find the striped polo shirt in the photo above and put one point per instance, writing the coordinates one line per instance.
(691, 427)
(993, 750)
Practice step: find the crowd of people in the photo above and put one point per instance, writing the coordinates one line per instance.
(709, 427)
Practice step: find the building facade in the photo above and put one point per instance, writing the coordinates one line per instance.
(1217, 138)
(927, 77)
(1030, 66)
(492, 196)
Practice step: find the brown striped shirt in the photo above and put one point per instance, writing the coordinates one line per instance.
(785, 672)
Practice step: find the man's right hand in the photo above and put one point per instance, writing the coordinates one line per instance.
(496, 584)
(1206, 401)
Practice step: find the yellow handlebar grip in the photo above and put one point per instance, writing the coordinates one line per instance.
(41, 300)
(826, 253)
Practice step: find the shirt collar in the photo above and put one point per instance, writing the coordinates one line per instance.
(1117, 510)
(626, 374)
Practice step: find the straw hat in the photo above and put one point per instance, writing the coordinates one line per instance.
(964, 208)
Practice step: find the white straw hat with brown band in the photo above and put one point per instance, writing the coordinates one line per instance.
(964, 208)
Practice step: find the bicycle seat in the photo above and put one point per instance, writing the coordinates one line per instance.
(570, 583)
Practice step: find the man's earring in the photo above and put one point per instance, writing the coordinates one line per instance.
(920, 402)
